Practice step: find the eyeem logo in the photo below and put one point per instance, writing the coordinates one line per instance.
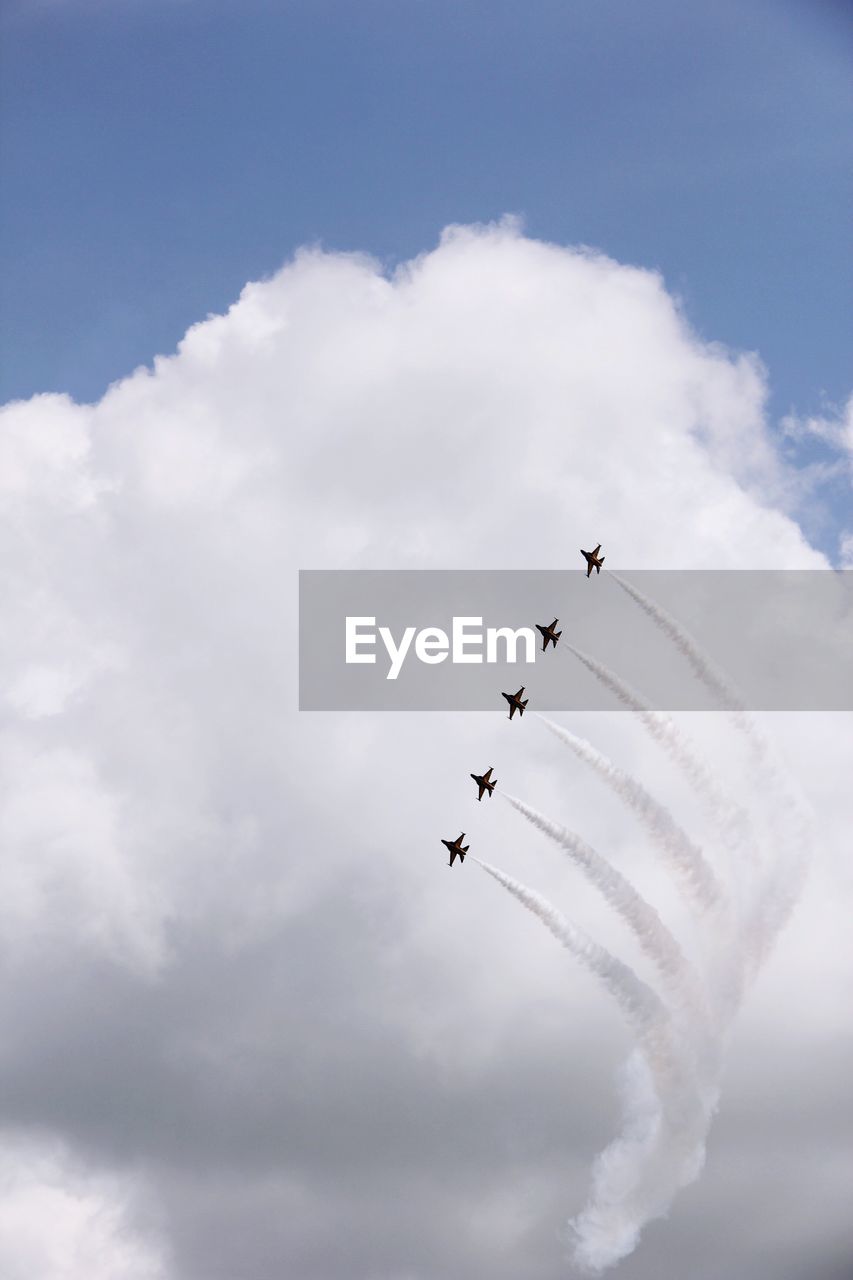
(467, 642)
(455, 640)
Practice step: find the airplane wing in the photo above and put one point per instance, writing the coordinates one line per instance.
(589, 568)
(597, 549)
(487, 774)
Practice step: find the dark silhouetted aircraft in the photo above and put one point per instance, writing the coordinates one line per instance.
(455, 847)
(548, 633)
(593, 560)
(483, 782)
(515, 703)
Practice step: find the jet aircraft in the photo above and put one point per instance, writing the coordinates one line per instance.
(455, 847)
(593, 560)
(483, 782)
(515, 702)
(548, 633)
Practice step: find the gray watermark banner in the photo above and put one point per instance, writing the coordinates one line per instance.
(692, 640)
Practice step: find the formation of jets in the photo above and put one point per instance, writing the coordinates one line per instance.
(485, 782)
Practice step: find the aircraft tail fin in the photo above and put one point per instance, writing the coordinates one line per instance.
(524, 703)
(559, 633)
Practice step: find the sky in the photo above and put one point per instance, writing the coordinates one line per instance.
(158, 155)
(264, 312)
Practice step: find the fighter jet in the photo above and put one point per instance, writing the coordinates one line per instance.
(515, 703)
(548, 633)
(593, 560)
(483, 782)
(455, 847)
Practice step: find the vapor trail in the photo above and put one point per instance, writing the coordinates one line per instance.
(652, 934)
(670, 1084)
(778, 890)
(660, 1150)
(641, 1005)
(666, 1113)
(685, 858)
(731, 821)
(702, 666)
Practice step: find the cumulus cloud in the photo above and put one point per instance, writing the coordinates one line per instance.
(329, 1022)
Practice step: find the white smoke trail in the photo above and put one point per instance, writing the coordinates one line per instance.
(734, 827)
(666, 1113)
(654, 937)
(731, 821)
(659, 1151)
(685, 858)
(670, 1084)
(702, 666)
(641, 1005)
(763, 750)
(778, 890)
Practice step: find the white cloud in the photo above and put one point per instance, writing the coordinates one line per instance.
(495, 403)
(69, 873)
(834, 428)
(57, 1223)
(846, 550)
(485, 406)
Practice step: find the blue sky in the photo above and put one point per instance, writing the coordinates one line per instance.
(157, 156)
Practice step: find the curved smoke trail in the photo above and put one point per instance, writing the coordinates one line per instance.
(670, 1087)
(778, 890)
(763, 750)
(650, 931)
(686, 859)
(666, 1113)
(641, 1005)
(660, 1150)
(733, 824)
(731, 821)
